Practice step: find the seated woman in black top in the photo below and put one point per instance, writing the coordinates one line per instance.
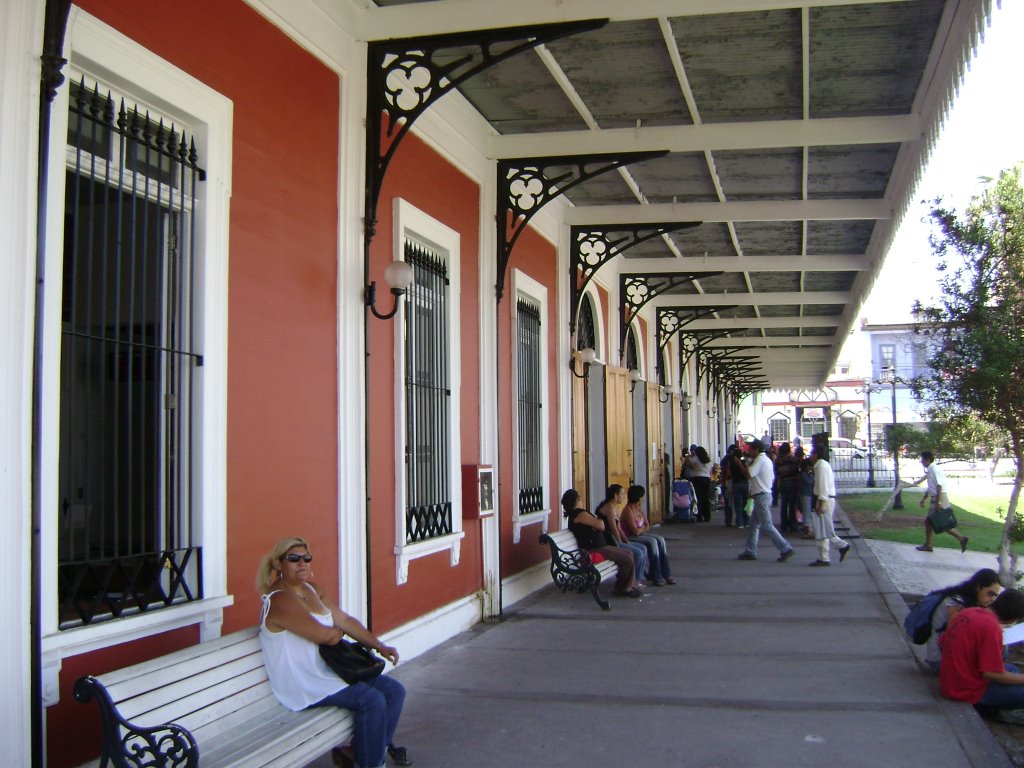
(590, 533)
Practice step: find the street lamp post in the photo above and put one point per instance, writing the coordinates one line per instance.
(869, 389)
(891, 377)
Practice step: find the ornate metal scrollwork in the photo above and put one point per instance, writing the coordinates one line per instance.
(635, 290)
(406, 76)
(592, 247)
(525, 185)
(126, 745)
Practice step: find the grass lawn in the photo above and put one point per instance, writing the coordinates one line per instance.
(980, 509)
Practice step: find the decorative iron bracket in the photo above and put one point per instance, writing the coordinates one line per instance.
(406, 76)
(671, 320)
(524, 187)
(635, 290)
(591, 247)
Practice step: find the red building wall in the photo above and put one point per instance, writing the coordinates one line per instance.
(423, 178)
(282, 359)
(537, 258)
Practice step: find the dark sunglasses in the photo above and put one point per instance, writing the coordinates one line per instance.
(296, 558)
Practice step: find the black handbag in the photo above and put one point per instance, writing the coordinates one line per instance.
(942, 519)
(352, 662)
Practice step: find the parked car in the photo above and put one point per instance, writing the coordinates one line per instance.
(842, 448)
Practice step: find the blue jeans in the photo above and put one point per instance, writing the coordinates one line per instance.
(1003, 695)
(376, 706)
(639, 558)
(657, 554)
(740, 492)
(761, 520)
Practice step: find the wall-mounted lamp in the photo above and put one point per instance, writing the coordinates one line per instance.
(713, 411)
(673, 390)
(586, 356)
(398, 276)
(634, 377)
(687, 401)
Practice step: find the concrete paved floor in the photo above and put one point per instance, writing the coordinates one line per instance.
(741, 664)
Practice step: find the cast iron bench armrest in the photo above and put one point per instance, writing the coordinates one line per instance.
(573, 569)
(128, 745)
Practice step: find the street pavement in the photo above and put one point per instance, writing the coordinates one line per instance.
(739, 665)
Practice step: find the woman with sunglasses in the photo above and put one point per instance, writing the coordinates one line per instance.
(298, 617)
(979, 591)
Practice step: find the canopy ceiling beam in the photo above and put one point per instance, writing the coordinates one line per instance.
(760, 135)
(745, 323)
(747, 210)
(766, 263)
(451, 15)
(753, 299)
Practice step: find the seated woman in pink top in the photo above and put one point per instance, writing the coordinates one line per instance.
(638, 529)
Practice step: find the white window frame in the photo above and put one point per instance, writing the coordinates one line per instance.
(525, 286)
(111, 58)
(412, 223)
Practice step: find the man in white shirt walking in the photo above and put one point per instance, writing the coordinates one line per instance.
(761, 474)
(935, 489)
(824, 506)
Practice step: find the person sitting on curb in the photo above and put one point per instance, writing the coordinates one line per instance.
(972, 668)
(589, 531)
(638, 530)
(978, 591)
(935, 489)
(824, 506)
(760, 474)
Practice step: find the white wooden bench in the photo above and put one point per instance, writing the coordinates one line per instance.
(211, 703)
(572, 567)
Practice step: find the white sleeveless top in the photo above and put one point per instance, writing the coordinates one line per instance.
(298, 676)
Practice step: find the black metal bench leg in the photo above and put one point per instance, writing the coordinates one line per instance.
(597, 597)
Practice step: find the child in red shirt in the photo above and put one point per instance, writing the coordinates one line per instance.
(972, 667)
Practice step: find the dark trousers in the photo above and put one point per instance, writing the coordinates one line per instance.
(623, 560)
(789, 499)
(702, 488)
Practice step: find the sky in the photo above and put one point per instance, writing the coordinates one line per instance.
(982, 136)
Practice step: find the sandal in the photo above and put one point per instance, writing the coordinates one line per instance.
(670, 580)
(660, 582)
(399, 755)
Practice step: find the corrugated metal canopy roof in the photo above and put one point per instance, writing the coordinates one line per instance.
(796, 132)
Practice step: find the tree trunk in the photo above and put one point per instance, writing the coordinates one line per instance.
(1007, 558)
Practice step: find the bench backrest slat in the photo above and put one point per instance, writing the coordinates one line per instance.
(564, 539)
(175, 702)
(193, 654)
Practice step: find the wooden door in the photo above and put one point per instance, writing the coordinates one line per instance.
(618, 426)
(580, 460)
(677, 433)
(655, 455)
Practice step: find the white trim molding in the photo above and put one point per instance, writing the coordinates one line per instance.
(412, 223)
(117, 62)
(525, 286)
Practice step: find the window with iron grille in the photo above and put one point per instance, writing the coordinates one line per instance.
(428, 509)
(778, 429)
(632, 358)
(847, 425)
(125, 541)
(586, 328)
(529, 383)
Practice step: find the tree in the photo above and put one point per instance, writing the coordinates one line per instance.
(976, 329)
(949, 434)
